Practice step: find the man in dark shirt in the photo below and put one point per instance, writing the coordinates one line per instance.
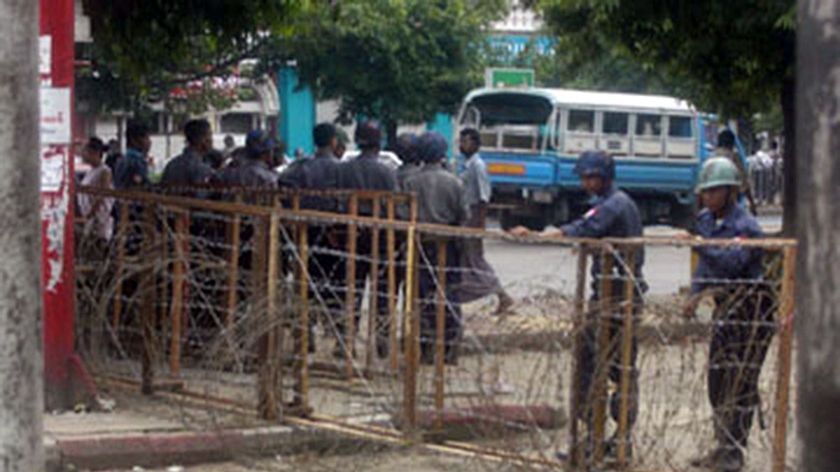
(613, 215)
(326, 268)
(254, 170)
(743, 318)
(189, 168)
(132, 169)
(366, 172)
(440, 200)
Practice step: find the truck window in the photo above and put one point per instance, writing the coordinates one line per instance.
(615, 123)
(680, 127)
(581, 121)
(648, 125)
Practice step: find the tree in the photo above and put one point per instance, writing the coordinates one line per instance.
(397, 61)
(21, 369)
(818, 224)
(143, 49)
(731, 56)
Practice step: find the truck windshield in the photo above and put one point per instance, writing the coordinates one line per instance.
(511, 121)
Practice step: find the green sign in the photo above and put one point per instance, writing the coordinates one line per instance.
(500, 78)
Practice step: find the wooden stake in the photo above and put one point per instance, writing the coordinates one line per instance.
(350, 302)
(178, 293)
(392, 289)
(626, 358)
(122, 241)
(233, 238)
(440, 333)
(575, 451)
(599, 389)
(147, 308)
(303, 363)
(412, 335)
(786, 314)
(373, 311)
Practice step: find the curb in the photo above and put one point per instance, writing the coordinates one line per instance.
(107, 451)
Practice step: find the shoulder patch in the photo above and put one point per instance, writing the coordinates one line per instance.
(591, 213)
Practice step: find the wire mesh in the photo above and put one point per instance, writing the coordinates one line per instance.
(338, 307)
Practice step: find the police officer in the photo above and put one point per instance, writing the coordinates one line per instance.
(327, 269)
(440, 200)
(366, 172)
(189, 167)
(254, 170)
(613, 215)
(743, 319)
(726, 148)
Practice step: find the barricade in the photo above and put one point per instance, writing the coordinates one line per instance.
(340, 308)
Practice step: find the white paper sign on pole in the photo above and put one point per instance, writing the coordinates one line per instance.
(53, 159)
(45, 55)
(55, 116)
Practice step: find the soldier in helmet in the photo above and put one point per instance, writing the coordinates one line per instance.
(613, 215)
(366, 172)
(743, 318)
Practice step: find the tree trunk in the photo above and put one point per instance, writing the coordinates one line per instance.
(21, 362)
(817, 228)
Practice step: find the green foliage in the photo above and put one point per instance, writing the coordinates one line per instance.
(727, 56)
(396, 60)
(143, 48)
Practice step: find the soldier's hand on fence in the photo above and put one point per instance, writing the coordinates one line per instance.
(519, 231)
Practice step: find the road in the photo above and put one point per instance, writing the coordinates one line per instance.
(523, 267)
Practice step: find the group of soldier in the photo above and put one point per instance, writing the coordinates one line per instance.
(733, 277)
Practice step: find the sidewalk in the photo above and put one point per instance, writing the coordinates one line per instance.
(137, 434)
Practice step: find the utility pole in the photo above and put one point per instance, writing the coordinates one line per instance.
(818, 231)
(21, 364)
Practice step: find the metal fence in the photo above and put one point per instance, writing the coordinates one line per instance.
(338, 308)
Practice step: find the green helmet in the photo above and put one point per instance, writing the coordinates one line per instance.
(718, 172)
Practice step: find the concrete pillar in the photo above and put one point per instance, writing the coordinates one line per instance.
(21, 364)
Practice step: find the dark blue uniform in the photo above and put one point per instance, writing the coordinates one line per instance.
(614, 215)
(366, 172)
(743, 323)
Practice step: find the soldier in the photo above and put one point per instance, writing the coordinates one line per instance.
(743, 318)
(613, 215)
(320, 172)
(440, 200)
(366, 172)
(254, 170)
(132, 169)
(189, 167)
(726, 148)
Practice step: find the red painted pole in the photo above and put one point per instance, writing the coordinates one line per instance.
(57, 52)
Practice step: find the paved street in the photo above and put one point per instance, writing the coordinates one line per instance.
(524, 267)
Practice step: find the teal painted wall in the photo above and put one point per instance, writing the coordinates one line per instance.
(297, 112)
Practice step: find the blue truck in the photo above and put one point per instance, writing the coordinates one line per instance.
(531, 138)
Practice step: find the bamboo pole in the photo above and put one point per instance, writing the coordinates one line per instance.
(626, 359)
(147, 309)
(440, 333)
(412, 335)
(303, 363)
(178, 294)
(234, 235)
(267, 356)
(350, 302)
(786, 313)
(392, 288)
(373, 311)
(575, 451)
(122, 241)
(599, 380)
